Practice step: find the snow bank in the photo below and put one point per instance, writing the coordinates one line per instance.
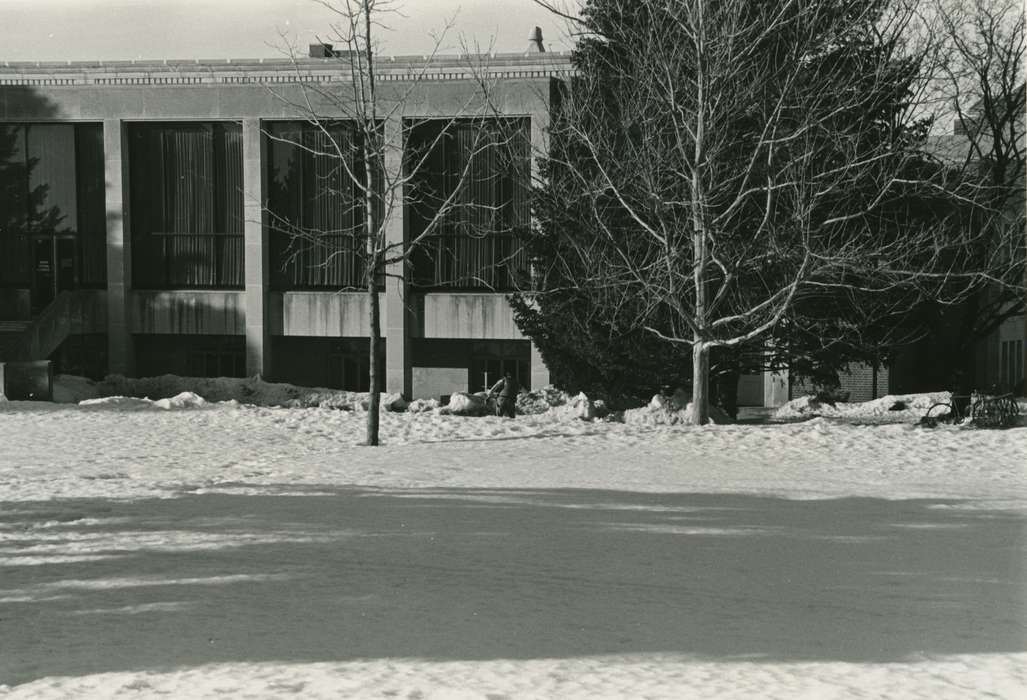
(183, 400)
(465, 404)
(805, 407)
(422, 405)
(541, 400)
(900, 408)
(578, 407)
(560, 405)
(251, 390)
(676, 409)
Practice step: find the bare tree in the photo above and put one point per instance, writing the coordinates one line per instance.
(981, 82)
(373, 170)
(716, 164)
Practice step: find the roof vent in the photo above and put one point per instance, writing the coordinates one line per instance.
(323, 51)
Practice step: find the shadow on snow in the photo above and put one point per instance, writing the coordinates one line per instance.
(305, 575)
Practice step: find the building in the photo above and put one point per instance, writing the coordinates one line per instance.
(144, 208)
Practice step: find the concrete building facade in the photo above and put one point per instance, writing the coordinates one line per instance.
(140, 233)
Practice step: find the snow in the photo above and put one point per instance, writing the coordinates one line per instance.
(900, 408)
(464, 404)
(201, 538)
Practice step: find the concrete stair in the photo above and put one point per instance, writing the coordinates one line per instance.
(79, 311)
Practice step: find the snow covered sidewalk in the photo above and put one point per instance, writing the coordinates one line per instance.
(200, 549)
(128, 449)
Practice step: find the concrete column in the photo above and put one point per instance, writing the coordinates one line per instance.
(775, 388)
(257, 265)
(398, 360)
(539, 148)
(538, 370)
(120, 358)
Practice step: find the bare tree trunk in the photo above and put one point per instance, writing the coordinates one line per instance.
(372, 156)
(374, 399)
(700, 352)
(700, 383)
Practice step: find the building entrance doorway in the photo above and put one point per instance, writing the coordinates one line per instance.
(54, 267)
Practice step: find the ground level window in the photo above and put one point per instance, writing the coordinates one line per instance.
(350, 371)
(333, 363)
(190, 355)
(217, 362)
(485, 372)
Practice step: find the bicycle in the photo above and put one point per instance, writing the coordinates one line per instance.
(983, 411)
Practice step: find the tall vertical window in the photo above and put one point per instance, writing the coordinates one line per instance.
(470, 181)
(186, 205)
(52, 211)
(317, 213)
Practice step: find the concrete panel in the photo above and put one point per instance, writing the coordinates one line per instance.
(29, 103)
(433, 382)
(182, 102)
(469, 315)
(199, 312)
(330, 314)
(750, 390)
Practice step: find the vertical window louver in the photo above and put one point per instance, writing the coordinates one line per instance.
(317, 210)
(477, 174)
(187, 204)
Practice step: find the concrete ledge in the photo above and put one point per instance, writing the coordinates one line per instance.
(469, 315)
(197, 312)
(324, 314)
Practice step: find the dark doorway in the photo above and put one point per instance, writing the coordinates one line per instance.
(54, 268)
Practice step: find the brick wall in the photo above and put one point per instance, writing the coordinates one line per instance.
(857, 379)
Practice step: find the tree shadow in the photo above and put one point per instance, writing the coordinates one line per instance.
(258, 573)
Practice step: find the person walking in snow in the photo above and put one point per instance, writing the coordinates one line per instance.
(506, 389)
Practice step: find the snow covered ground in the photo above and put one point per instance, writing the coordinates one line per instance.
(189, 548)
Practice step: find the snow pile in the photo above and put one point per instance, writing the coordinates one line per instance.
(900, 408)
(904, 405)
(805, 407)
(578, 407)
(186, 399)
(422, 405)
(390, 402)
(251, 390)
(559, 405)
(464, 404)
(676, 409)
(541, 400)
(183, 400)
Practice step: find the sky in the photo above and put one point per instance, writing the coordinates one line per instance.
(82, 30)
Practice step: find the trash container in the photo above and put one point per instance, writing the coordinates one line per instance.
(28, 381)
